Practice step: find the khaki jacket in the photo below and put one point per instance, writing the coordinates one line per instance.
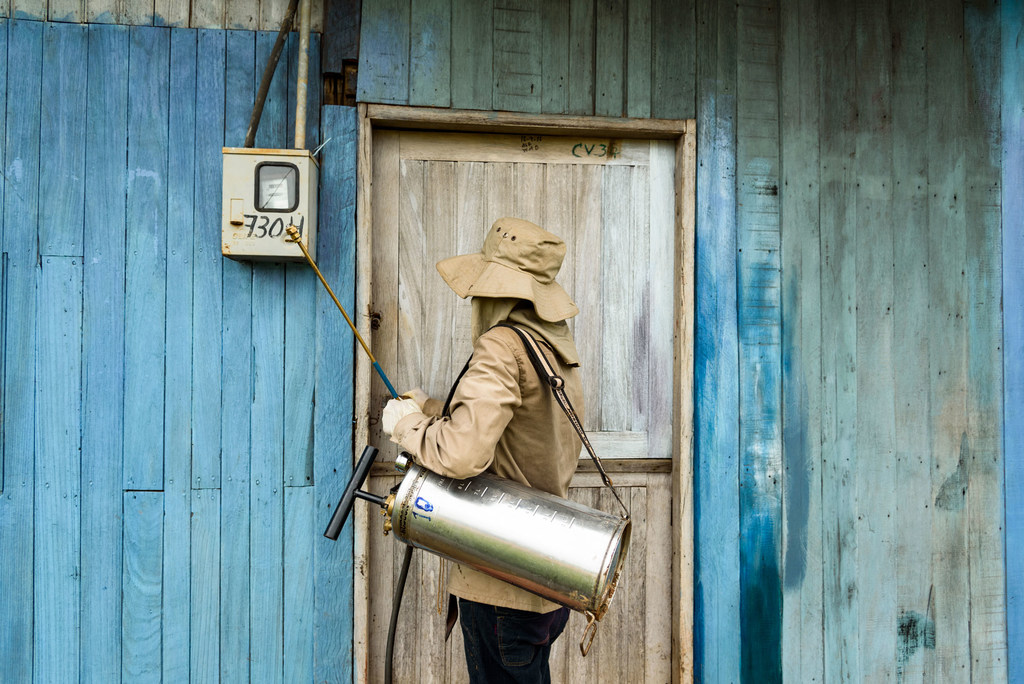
(505, 420)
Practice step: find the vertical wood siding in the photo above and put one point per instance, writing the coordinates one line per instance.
(160, 452)
(248, 15)
(1012, 204)
(857, 245)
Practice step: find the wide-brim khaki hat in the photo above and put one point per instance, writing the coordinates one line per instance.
(519, 259)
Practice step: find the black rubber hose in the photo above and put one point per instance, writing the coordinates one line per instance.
(395, 607)
(268, 73)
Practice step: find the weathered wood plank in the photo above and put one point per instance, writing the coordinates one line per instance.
(146, 249)
(266, 420)
(716, 372)
(207, 262)
(177, 438)
(802, 616)
(517, 56)
(472, 54)
(588, 204)
(266, 476)
(674, 49)
(142, 12)
(660, 299)
(610, 83)
(641, 372)
(616, 299)
(333, 561)
(430, 54)
(529, 191)
(758, 240)
(28, 9)
(246, 15)
(65, 10)
(875, 376)
(839, 334)
(581, 56)
(1012, 202)
(300, 532)
(384, 52)
(914, 657)
(300, 307)
(236, 396)
(471, 224)
(104, 12)
(204, 603)
(947, 336)
(208, 15)
(554, 57)
(57, 541)
(20, 221)
(141, 586)
(984, 333)
(639, 50)
(62, 167)
(106, 143)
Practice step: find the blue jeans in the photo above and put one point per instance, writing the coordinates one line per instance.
(508, 645)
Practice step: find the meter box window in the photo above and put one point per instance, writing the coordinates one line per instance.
(266, 192)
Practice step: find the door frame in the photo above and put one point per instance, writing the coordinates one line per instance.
(683, 133)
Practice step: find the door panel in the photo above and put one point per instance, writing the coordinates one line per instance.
(612, 201)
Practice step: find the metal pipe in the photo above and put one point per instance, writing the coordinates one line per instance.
(301, 86)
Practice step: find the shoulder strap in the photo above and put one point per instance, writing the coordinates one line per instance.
(547, 373)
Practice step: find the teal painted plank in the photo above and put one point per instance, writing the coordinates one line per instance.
(875, 477)
(141, 586)
(800, 92)
(984, 333)
(204, 619)
(266, 480)
(947, 333)
(839, 338)
(517, 55)
(178, 361)
(1012, 202)
(581, 56)
(146, 223)
(3, 258)
(207, 260)
(759, 320)
(62, 168)
(106, 144)
(57, 540)
(610, 58)
(430, 53)
(300, 314)
(639, 30)
(914, 660)
(237, 391)
(716, 354)
(300, 531)
(273, 130)
(384, 52)
(21, 182)
(472, 54)
(554, 57)
(332, 562)
(673, 48)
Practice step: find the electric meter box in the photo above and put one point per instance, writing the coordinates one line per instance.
(265, 192)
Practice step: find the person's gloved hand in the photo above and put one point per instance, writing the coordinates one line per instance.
(417, 395)
(394, 411)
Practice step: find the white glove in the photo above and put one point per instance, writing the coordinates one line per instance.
(417, 395)
(394, 411)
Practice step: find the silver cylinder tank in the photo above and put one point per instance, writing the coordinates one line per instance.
(556, 548)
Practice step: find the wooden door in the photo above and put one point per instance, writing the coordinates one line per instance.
(613, 202)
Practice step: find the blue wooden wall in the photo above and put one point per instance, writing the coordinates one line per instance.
(175, 425)
(858, 486)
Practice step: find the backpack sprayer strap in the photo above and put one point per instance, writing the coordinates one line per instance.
(557, 384)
